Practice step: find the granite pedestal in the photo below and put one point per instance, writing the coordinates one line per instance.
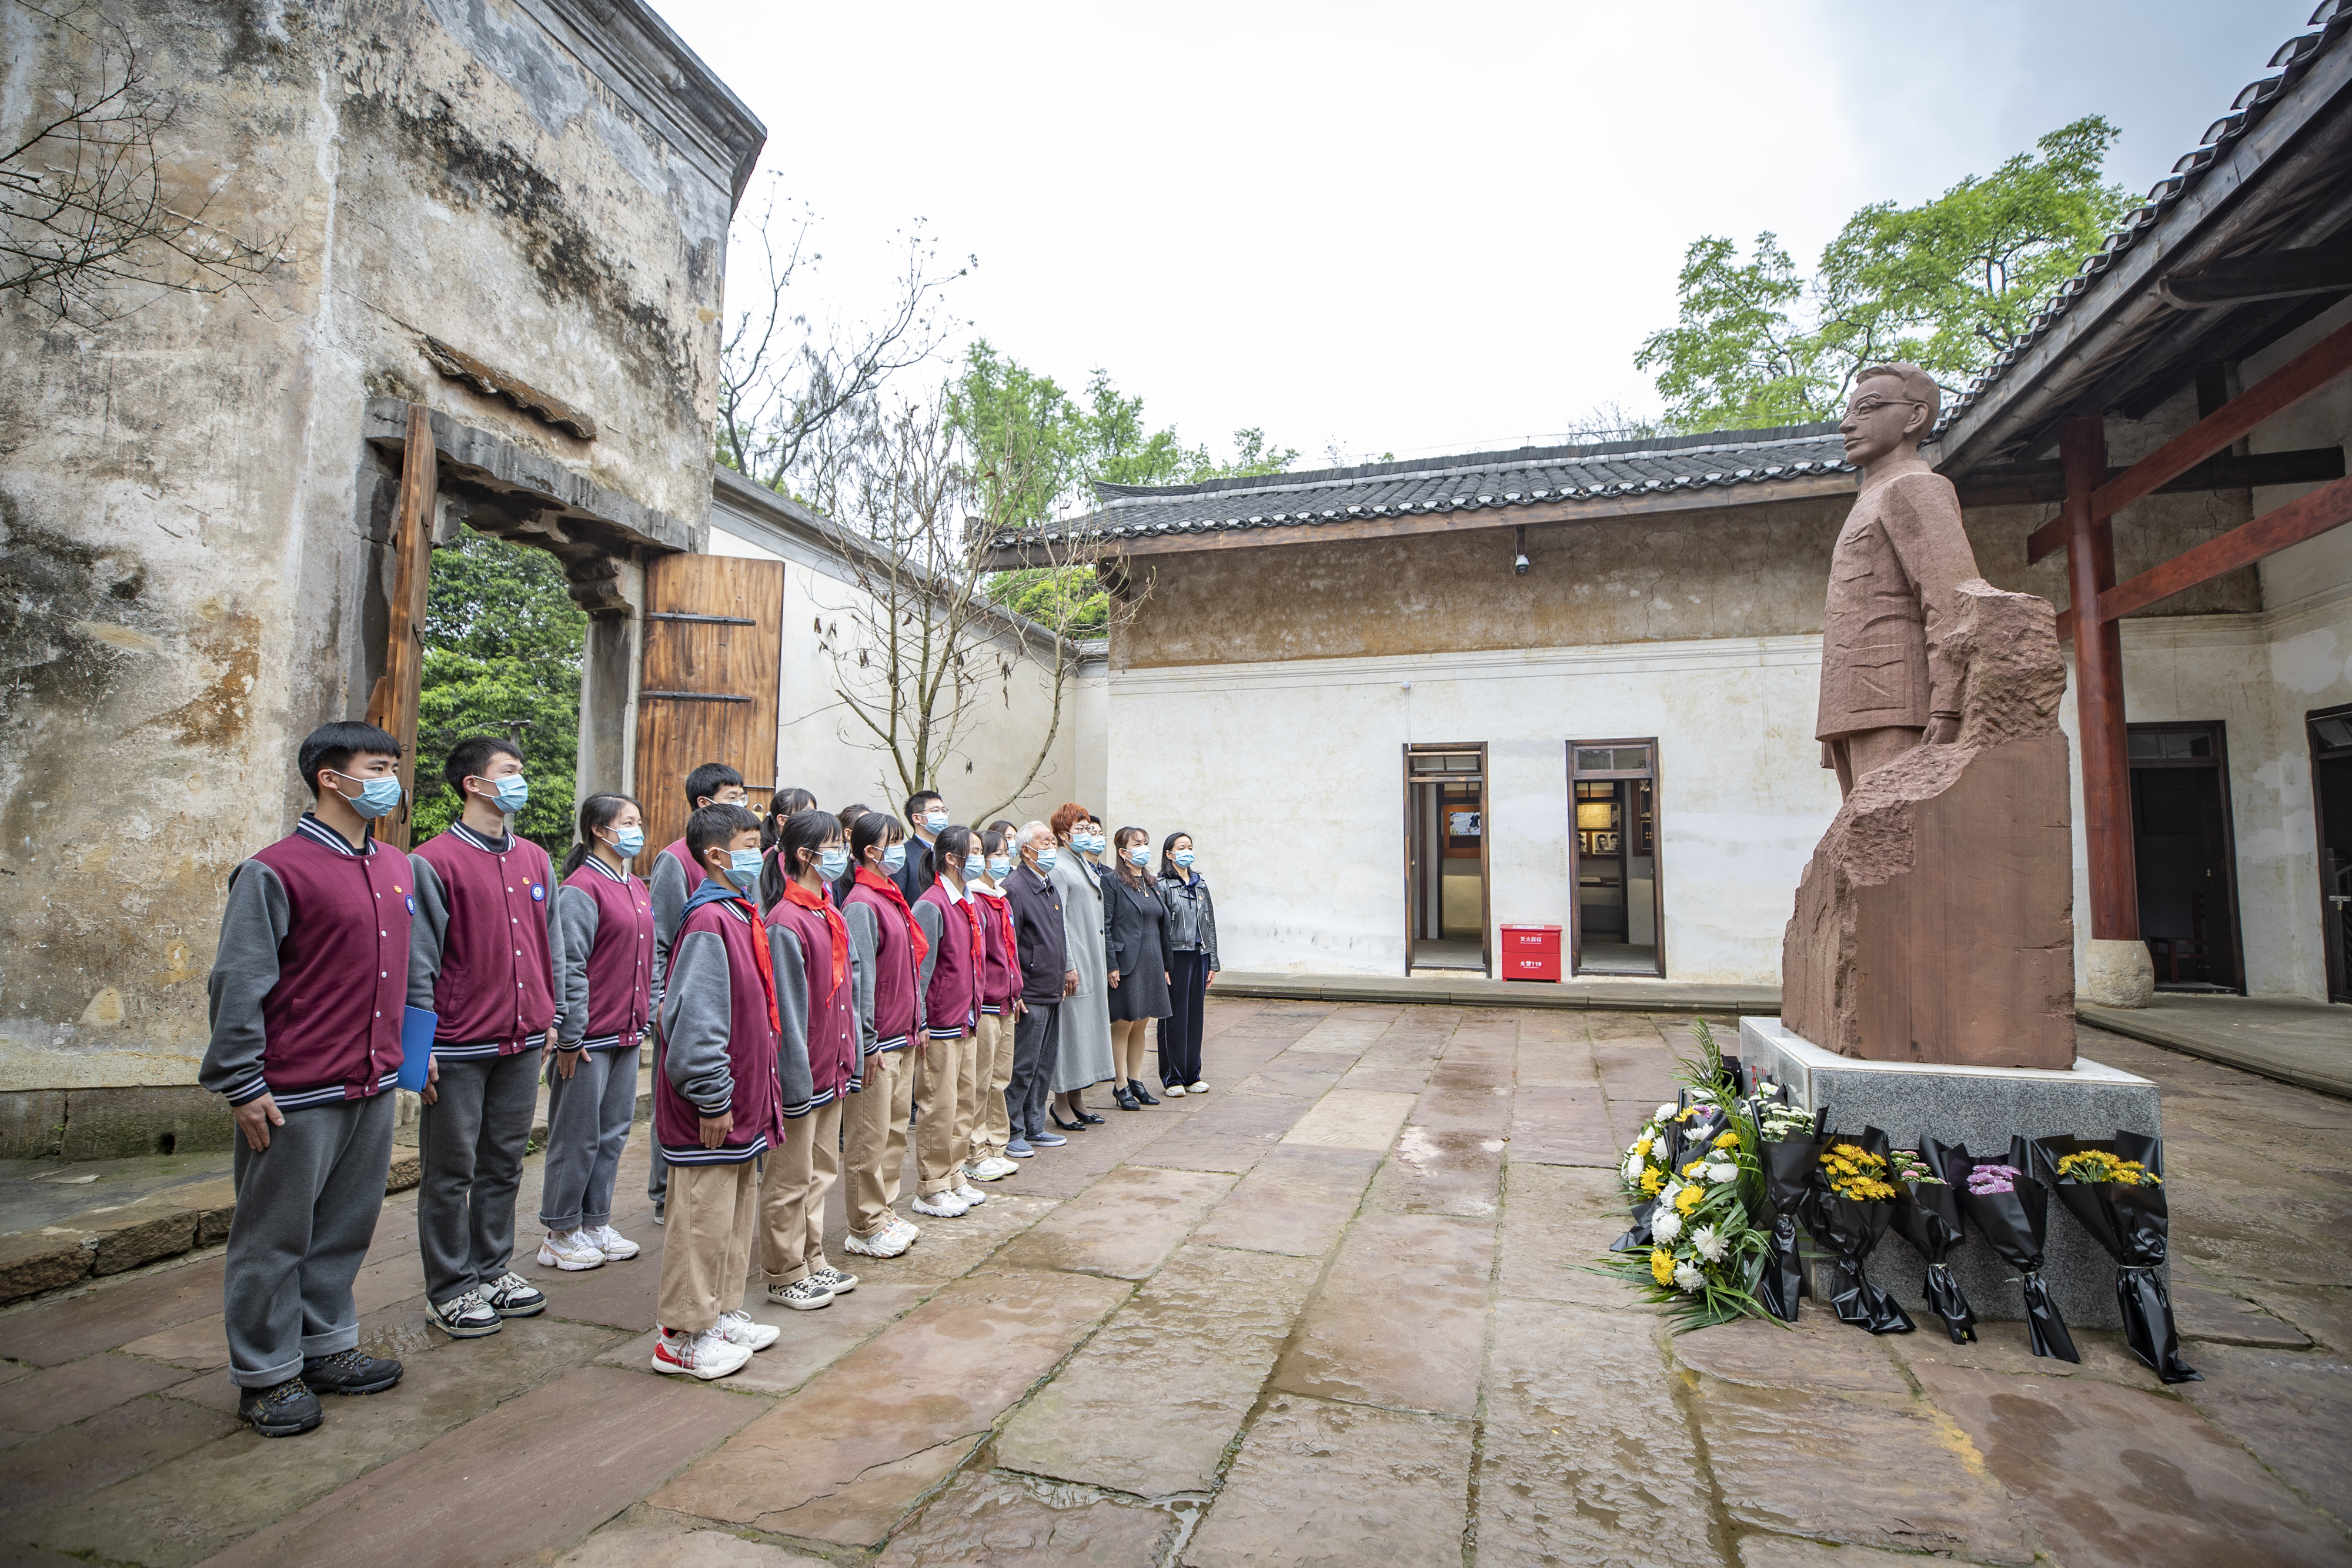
(1980, 1107)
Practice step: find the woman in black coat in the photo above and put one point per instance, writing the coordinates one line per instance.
(1135, 943)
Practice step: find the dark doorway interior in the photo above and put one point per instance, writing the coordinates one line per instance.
(1613, 842)
(2186, 856)
(2331, 795)
(1445, 858)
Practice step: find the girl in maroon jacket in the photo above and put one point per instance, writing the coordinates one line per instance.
(890, 948)
(951, 982)
(607, 980)
(817, 1060)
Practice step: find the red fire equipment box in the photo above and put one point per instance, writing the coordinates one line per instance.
(1531, 952)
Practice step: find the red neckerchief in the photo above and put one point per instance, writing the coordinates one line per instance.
(868, 877)
(834, 926)
(971, 902)
(762, 961)
(1004, 918)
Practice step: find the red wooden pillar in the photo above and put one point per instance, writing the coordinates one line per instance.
(2099, 686)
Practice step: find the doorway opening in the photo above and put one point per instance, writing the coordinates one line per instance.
(1614, 858)
(1445, 859)
(2331, 795)
(2185, 851)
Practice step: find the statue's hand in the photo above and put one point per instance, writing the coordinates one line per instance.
(1943, 729)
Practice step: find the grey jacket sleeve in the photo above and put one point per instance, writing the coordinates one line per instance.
(790, 966)
(861, 994)
(864, 940)
(697, 1011)
(1209, 927)
(669, 891)
(245, 968)
(427, 933)
(575, 918)
(926, 915)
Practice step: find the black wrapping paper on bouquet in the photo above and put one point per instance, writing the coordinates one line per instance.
(1788, 1166)
(2015, 1225)
(1851, 1228)
(1928, 1216)
(1638, 1238)
(2132, 1223)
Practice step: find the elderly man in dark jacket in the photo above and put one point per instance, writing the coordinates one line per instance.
(1045, 979)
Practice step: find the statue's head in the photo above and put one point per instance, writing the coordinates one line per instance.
(1892, 409)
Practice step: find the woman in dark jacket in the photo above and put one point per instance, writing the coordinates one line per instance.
(1135, 944)
(1192, 962)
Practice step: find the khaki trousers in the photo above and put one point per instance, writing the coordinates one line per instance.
(993, 1059)
(874, 1128)
(707, 1243)
(792, 1196)
(939, 1161)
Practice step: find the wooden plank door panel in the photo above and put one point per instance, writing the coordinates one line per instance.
(708, 682)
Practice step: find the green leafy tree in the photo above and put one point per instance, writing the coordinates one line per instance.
(1945, 285)
(502, 648)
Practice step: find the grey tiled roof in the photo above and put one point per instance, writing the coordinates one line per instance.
(2332, 21)
(1472, 482)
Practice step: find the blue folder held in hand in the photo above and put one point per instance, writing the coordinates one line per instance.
(416, 1027)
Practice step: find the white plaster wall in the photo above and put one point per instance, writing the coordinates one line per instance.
(1290, 778)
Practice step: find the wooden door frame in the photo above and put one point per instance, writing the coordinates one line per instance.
(1486, 848)
(2333, 960)
(391, 703)
(1571, 959)
(2220, 764)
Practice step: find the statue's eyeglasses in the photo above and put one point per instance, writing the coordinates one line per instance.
(1869, 406)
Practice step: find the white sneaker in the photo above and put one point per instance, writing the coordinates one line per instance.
(996, 1167)
(1173, 1091)
(707, 1355)
(617, 1248)
(943, 1205)
(802, 1295)
(884, 1243)
(570, 1250)
(904, 1229)
(1196, 1089)
(738, 1328)
(971, 1196)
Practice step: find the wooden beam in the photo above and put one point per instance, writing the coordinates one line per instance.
(2247, 543)
(2023, 483)
(1364, 526)
(2279, 274)
(2099, 687)
(393, 704)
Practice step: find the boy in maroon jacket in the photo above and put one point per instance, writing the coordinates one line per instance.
(483, 961)
(306, 997)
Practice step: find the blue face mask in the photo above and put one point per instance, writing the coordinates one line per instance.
(831, 861)
(1141, 855)
(894, 859)
(935, 820)
(1182, 858)
(743, 868)
(997, 866)
(512, 793)
(627, 842)
(974, 866)
(377, 797)
(1048, 858)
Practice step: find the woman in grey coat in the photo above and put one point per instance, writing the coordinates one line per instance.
(1086, 1058)
(1136, 946)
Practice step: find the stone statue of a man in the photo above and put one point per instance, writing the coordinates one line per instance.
(1887, 683)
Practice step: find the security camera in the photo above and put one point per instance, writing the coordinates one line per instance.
(1519, 565)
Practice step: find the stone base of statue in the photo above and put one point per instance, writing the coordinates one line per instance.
(1981, 1107)
(1934, 922)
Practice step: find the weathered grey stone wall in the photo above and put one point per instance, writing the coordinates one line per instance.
(192, 571)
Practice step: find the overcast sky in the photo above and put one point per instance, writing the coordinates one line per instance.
(1408, 228)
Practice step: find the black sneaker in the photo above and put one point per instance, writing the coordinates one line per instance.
(349, 1372)
(280, 1411)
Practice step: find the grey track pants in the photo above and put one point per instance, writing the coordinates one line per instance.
(470, 1142)
(588, 1117)
(306, 1210)
(1037, 1049)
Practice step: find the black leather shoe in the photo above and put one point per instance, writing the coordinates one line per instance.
(1138, 1090)
(279, 1411)
(1126, 1101)
(349, 1372)
(1089, 1118)
(1062, 1127)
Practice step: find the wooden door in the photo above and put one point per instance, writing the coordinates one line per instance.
(708, 686)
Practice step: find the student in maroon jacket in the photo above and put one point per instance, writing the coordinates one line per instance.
(717, 1105)
(984, 1130)
(672, 878)
(818, 1062)
(483, 962)
(606, 984)
(949, 981)
(305, 1008)
(890, 947)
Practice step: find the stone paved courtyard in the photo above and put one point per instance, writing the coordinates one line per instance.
(1331, 1313)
